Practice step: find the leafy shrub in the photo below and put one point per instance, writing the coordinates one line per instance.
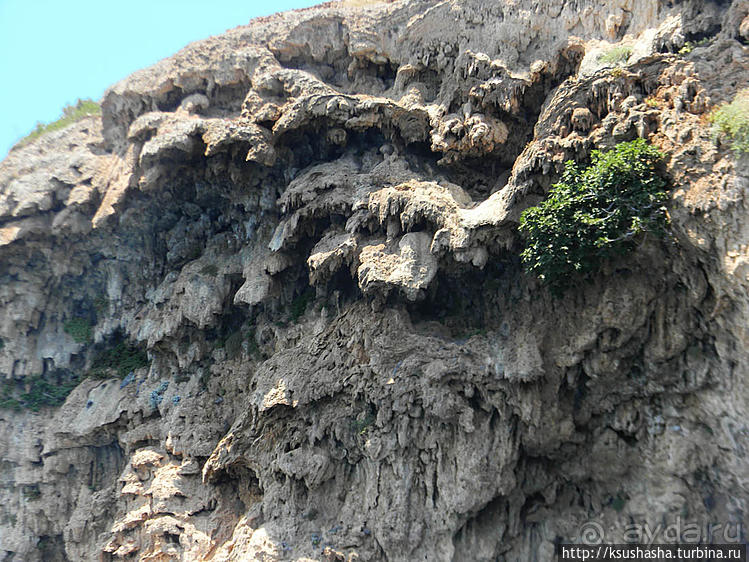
(615, 55)
(119, 359)
(8, 398)
(594, 214)
(10, 403)
(79, 329)
(732, 120)
(70, 114)
(43, 393)
(39, 392)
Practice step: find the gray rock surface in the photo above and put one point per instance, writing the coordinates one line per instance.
(309, 224)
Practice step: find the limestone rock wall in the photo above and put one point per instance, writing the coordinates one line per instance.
(310, 225)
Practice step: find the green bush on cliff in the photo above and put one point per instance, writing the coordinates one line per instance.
(70, 114)
(732, 120)
(79, 329)
(119, 360)
(41, 393)
(8, 398)
(594, 214)
(36, 392)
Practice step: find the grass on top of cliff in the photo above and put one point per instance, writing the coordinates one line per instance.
(594, 214)
(732, 120)
(70, 114)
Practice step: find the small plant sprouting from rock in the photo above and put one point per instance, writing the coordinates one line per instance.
(594, 214)
(31, 492)
(690, 46)
(615, 55)
(732, 120)
(79, 329)
(363, 422)
(70, 114)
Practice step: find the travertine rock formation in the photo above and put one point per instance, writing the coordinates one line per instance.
(310, 224)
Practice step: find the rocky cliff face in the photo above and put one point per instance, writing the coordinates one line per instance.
(309, 224)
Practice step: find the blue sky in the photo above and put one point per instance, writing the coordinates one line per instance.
(54, 52)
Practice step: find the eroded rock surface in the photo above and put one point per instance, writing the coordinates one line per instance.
(310, 225)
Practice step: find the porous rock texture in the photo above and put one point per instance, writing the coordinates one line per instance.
(310, 224)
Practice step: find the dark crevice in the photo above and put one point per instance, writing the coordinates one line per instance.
(452, 299)
(170, 101)
(488, 518)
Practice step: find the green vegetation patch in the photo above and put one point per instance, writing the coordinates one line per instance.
(690, 46)
(299, 305)
(8, 396)
(118, 360)
(732, 120)
(360, 426)
(594, 214)
(31, 492)
(80, 330)
(37, 393)
(70, 114)
(43, 393)
(615, 55)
